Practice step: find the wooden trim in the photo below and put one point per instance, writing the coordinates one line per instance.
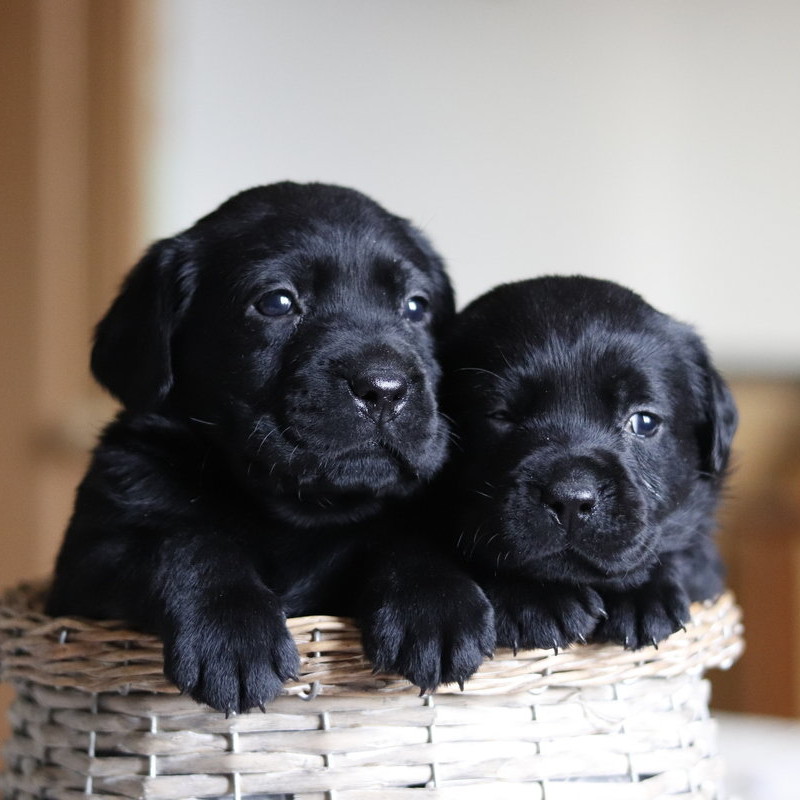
(73, 137)
(89, 201)
(17, 284)
(62, 224)
(121, 55)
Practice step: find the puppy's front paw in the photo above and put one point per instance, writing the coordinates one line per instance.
(643, 616)
(232, 655)
(432, 635)
(549, 616)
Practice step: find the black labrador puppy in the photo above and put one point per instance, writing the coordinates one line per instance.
(277, 367)
(594, 435)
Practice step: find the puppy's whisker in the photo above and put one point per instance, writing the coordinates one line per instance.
(475, 537)
(203, 421)
(480, 370)
(263, 441)
(455, 442)
(491, 539)
(503, 356)
(652, 489)
(453, 436)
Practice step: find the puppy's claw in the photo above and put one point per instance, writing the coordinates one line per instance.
(460, 683)
(555, 648)
(263, 708)
(678, 622)
(654, 643)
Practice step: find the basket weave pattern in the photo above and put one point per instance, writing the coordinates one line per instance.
(94, 717)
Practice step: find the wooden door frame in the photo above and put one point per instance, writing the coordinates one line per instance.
(74, 118)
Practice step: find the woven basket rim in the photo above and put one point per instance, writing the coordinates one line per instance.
(107, 655)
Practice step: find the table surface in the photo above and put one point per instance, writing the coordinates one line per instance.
(762, 756)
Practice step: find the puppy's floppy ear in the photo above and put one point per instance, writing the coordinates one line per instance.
(719, 410)
(132, 345)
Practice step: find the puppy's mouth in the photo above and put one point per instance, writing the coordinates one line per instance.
(537, 553)
(373, 466)
(347, 487)
(602, 552)
(624, 562)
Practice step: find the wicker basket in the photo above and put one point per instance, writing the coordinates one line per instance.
(94, 717)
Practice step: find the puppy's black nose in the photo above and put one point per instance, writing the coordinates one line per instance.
(379, 393)
(571, 499)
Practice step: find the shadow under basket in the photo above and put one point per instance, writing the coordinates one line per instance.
(94, 717)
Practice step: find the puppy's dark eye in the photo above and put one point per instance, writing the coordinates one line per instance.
(500, 416)
(643, 424)
(278, 303)
(416, 309)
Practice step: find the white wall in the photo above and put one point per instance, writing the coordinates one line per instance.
(653, 142)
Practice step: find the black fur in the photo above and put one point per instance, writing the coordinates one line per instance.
(277, 367)
(576, 526)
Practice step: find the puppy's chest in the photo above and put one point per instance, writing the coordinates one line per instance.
(311, 571)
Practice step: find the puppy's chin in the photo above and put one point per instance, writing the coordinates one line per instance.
(318, 510)
(373, 467)
(525, 552)
(339, 502)
(627, 565)
(345, 487)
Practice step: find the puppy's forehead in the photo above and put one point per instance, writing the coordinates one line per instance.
(571, 342)
(613, 364)
(317, 255)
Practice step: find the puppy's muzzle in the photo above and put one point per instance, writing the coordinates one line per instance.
(379, 393)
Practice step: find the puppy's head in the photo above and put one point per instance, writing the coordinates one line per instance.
(295, 327)
(594, 431)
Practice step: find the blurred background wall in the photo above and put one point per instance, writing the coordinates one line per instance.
(654, 143)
